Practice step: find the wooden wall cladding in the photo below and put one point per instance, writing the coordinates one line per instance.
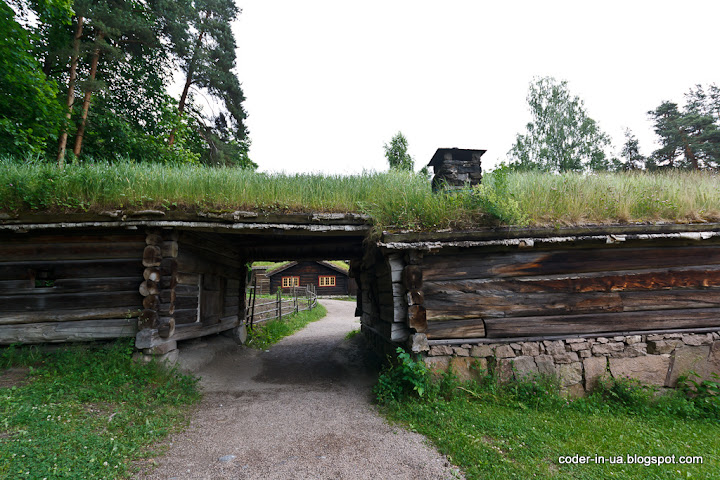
(58, 288)
(571, 291)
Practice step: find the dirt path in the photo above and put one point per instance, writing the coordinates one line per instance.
(301, 410)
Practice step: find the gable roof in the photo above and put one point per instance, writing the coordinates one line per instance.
(287, 265)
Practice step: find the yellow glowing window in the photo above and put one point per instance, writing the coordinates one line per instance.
(288, 282)
(327, 281)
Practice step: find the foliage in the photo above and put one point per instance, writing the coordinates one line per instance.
(689, 136)
(123, 57)
(405, 377)
(268, 333)
(561, 136)
(396, 153)
(634, 160)
(29, 111)
(705, 394)
(495, 197)
(93, 400)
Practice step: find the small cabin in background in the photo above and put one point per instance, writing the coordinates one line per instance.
(328, 278)
(456, 168)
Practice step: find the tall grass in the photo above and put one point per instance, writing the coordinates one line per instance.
(572, 199)
(394, 200)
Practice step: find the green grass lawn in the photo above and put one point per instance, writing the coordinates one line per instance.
(85, 411)
(490, 440)
(268, 333)
(527, 429)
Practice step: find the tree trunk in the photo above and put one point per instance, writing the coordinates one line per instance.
(71, 91)
(188, 82)
(88, 96)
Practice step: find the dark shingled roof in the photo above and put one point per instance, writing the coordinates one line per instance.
(463, 154)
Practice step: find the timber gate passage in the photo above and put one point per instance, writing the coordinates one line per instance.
(636, 300)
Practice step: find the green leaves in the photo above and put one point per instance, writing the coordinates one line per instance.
(396, 153)
(561, 137)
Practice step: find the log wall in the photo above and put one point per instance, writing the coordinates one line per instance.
(200, 291)
(309, 273)
(571, 291)
(60, 288)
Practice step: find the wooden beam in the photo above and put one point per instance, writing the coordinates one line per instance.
(455, 305)
(601, 322)
(568, 262)
(68, 331)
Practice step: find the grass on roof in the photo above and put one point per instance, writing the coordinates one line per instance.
(394, 200)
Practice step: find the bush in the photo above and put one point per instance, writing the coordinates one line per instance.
(406, 377)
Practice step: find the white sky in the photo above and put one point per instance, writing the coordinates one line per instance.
(329, 82)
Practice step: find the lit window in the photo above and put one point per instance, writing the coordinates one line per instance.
(327, 281)
(288, 282)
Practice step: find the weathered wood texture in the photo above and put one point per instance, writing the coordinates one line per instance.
(57, 288)
(382, 302)
(570, 291)
(201, 287)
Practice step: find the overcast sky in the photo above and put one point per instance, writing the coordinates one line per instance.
(329, 82)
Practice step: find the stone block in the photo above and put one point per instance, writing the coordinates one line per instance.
(607, 348)
(585, 353)
(574, 340)
(635, 350)
(554, 348)
(619, 339)
(461, 352)
(531, 349)
(481, 351)
(594, 367)
(161, 349)
(566, 357)
(652, 369)
(504, 369)
(569, 373)
(695, 358)
(515, 346)
(697, 339)
(545, 364)
(419, 343)
(602, 340)
(524, 367)
(440, 350)
(504, 351)
(633, 339)
(659, 347)
(463, 367)
(573, 391)
(437, 365)
(576, 347)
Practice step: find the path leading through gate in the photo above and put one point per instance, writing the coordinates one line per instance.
(301, 410)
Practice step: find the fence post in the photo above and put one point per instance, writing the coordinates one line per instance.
(278, 307)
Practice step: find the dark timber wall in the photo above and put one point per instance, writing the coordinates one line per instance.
(200, 291)
(56, 287)
(158, 276)
(309, 273)
(552, 303)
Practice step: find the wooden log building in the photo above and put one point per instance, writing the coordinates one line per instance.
(607, 293)
(328, 279)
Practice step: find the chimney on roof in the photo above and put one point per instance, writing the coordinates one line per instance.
(456, 168)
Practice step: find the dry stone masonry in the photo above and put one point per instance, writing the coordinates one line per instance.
(654, 359)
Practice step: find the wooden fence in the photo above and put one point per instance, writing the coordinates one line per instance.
(302, 298)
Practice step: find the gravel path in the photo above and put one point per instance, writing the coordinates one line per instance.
(301, 410)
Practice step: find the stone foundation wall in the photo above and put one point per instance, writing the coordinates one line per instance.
(655, 359)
